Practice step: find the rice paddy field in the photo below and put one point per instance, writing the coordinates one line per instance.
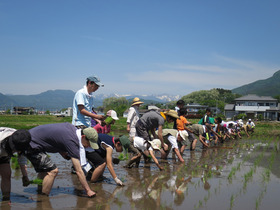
(238, 174)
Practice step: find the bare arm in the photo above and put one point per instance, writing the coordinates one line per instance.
(201, 138)
(179, 155)
(128, 127)
(155, 159)
(109, 152)
(23, 168)
(165, 146)
(81, 176)
(89, 114)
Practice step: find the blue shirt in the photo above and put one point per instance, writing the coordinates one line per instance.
(82, 97)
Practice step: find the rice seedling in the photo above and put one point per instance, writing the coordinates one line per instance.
(123, 156)
(36, 181)
(14, 161)
(232, 198)
(232, 173)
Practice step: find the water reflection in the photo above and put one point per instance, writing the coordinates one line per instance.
(237, 175)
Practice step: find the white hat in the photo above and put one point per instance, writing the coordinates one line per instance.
(156, 144)
(113, 114)
(250, 120)
(184, 134)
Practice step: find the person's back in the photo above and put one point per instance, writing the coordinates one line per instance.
(152, 119)
(181, 123)
(59, 137)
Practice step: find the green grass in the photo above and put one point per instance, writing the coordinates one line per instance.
(263, 129)
(30, 121)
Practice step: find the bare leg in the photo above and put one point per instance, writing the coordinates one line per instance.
(5, 173)
(98, 172)
(193, 144)
(48, 181)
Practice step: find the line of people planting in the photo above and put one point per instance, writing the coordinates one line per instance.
(87, 144)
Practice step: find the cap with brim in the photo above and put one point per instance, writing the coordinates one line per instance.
(156, 144)
(92, 135)
(125, 141)
(136, 101)
(96, 80)
(172, 113)
(113, 114)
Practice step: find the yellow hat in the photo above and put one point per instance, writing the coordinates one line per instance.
(136, 101)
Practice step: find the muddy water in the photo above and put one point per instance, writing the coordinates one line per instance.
(237, 175)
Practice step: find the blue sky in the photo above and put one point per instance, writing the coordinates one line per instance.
(137, 46)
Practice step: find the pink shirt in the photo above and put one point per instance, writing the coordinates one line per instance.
(102, 129)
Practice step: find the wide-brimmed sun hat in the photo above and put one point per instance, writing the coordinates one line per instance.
(172, 113)
(136, 101)
(156, 144)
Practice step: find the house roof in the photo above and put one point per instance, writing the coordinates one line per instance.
(253, 97)
(229, 107)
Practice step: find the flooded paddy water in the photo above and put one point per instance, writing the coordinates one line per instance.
(241, 174)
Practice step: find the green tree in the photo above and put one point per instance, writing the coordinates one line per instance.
(277, 97)
(117, 104)
(216, 97)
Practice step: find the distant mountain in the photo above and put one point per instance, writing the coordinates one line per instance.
(266, 87)
(6, 101)
(59, 99)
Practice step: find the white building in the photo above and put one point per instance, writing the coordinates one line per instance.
(253, 105)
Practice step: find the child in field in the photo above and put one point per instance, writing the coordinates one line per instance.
(105, 126)
(182, 124)
(140, 147)
(171, 137)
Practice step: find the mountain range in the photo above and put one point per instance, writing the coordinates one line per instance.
(60, 99)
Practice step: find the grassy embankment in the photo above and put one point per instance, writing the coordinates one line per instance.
(263, 128)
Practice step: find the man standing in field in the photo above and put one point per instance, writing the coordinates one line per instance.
(83, 103)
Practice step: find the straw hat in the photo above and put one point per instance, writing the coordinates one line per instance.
(136, 101)
(156, 144)
(172, 113)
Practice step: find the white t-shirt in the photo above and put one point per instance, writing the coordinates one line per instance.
(140, 143)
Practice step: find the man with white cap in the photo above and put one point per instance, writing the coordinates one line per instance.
(83, 103)
(251, 125)
(133, 116)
